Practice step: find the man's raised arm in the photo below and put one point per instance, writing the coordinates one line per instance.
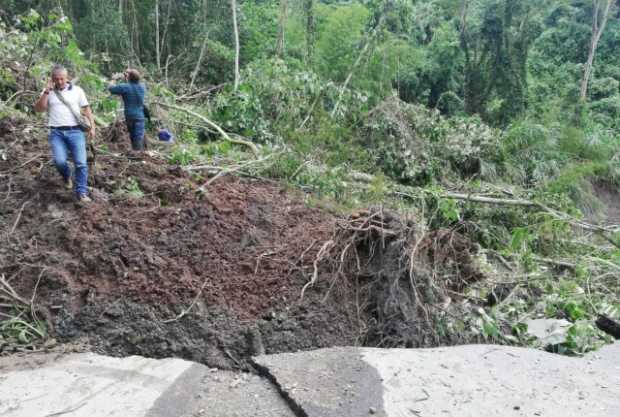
(41, 104)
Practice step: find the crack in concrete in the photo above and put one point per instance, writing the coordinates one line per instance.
(264, 372)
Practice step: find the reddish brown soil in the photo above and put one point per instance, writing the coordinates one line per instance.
(239, 239)
(160, 264)
(235, 247)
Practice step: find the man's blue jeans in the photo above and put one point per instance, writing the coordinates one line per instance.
(136, 133)
(70, 142)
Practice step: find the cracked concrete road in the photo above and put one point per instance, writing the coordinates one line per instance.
(477, 380)
(90, 385)
(462, 381)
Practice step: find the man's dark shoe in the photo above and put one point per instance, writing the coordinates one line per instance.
(135, 155)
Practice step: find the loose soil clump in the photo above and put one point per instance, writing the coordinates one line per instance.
(162, 265)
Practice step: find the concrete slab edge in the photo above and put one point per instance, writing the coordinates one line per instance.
(265, 373)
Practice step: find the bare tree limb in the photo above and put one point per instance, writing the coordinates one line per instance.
(281, 28)
(604, 232)
(369, 39)
(237, 168)
(233, 5)
(597, 32)
(203, 48)
(187, 310)
(221, 131)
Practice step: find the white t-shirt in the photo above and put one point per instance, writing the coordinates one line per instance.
(59, 114)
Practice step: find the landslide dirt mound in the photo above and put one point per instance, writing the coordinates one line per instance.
(154, 242)
(161, 264)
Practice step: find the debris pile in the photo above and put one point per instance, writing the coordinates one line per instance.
(164, 264)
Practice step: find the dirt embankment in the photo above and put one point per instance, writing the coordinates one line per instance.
(160, 265)
(154, 241)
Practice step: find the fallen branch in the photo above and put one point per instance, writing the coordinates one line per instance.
(19, 216)
(8, 290)
(491, 200)
(200, 94)
(211, 169)
(368, 41)
(237, 168)
(18, 94)
(221, 131)
(187, 310)
(34, 158)
(563, 264)
(601, 231)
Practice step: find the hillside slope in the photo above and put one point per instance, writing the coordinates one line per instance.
(154, 243)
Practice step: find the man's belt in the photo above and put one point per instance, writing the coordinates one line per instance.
(65, 127)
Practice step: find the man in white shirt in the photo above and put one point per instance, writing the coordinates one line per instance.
(65, 135)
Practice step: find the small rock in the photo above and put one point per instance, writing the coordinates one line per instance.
(49, 343)
(372, 410)
(549, 331)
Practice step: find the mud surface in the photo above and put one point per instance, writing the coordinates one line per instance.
(161, 264)
(122, 272)
(609, 195)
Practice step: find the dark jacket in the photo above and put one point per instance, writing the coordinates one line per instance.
(133, 98)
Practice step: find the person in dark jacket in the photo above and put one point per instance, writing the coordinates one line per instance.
(133, 92)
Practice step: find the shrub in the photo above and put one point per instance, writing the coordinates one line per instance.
(416, 145)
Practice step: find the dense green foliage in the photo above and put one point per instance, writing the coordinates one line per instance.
(503, 60)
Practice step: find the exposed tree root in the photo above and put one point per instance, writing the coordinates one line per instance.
(401, 275)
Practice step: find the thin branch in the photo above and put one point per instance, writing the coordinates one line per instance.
(221, 131)
(369, 39)
(490, 200)
(233, 6)
(19, 216)
(604, 232)
(187, 310)
(237, 168)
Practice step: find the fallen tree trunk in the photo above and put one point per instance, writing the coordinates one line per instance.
(221, 131)
(491, 200)
(601, 231)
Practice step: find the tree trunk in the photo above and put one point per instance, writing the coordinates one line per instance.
(164, 37)
(310, 29)
(597, 31)
(157, 50)
(281, 28)
(199, 62)
(233, 5)
(369, 39)
(135, 33)
(203, 48)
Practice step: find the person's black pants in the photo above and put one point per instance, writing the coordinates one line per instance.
(136, 133)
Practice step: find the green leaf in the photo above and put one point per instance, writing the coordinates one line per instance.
(574, 311)
(519, 329)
